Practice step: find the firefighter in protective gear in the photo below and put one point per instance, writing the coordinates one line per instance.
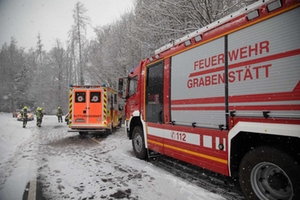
(24, 116)
(39, 116)
(59, 114)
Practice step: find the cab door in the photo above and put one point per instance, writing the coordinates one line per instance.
(154, 106)
(94, 107)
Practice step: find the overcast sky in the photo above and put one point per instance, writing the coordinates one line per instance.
(24, 19)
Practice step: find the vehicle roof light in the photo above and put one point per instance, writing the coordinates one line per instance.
(274, 5)
(157, 56)
(151, 59)
(198, 38)
(187, 43)
(252, 15)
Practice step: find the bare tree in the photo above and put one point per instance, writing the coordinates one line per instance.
(159, 22)
(56, 62)
(77, 34)
(39, 49)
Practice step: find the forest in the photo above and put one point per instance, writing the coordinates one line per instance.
(36, 77)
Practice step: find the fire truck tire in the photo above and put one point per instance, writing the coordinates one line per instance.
(138, 143)
(83, 133)
(109, 131)
(269, 173)
(119, 123)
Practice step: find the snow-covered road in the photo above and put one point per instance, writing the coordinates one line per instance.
(67, 166)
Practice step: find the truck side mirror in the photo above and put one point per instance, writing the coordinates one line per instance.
(120, 87)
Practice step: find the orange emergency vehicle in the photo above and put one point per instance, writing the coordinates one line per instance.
(226, 98)
(93, 108)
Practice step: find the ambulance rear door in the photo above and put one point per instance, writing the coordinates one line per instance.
(80, 106)
(95, 108)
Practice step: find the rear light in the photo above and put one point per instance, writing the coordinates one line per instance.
(231, 123)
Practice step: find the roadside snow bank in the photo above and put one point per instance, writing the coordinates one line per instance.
(10, 137)
(17, 164)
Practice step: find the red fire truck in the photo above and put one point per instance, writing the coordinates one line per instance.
(93, 108)
(226, 98)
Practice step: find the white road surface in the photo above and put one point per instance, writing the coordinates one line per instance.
(67, 166)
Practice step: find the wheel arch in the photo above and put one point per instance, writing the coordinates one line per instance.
(135, 121)
(269, 173)
(247, 136)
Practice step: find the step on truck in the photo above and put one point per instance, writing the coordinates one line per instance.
(94, 108)
(226, 98)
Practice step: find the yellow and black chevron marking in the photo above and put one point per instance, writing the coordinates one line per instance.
(116, 117)
(70, 106)
(104, 105)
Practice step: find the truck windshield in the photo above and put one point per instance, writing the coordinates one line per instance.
(132, 86)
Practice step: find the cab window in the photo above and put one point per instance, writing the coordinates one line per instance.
(132, 86)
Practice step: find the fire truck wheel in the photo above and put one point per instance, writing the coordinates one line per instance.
(109, 131)
(138, 143)
(119, 123)
(269, 173)
(83, 133)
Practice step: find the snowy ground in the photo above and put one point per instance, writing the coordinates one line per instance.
(67, 166)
